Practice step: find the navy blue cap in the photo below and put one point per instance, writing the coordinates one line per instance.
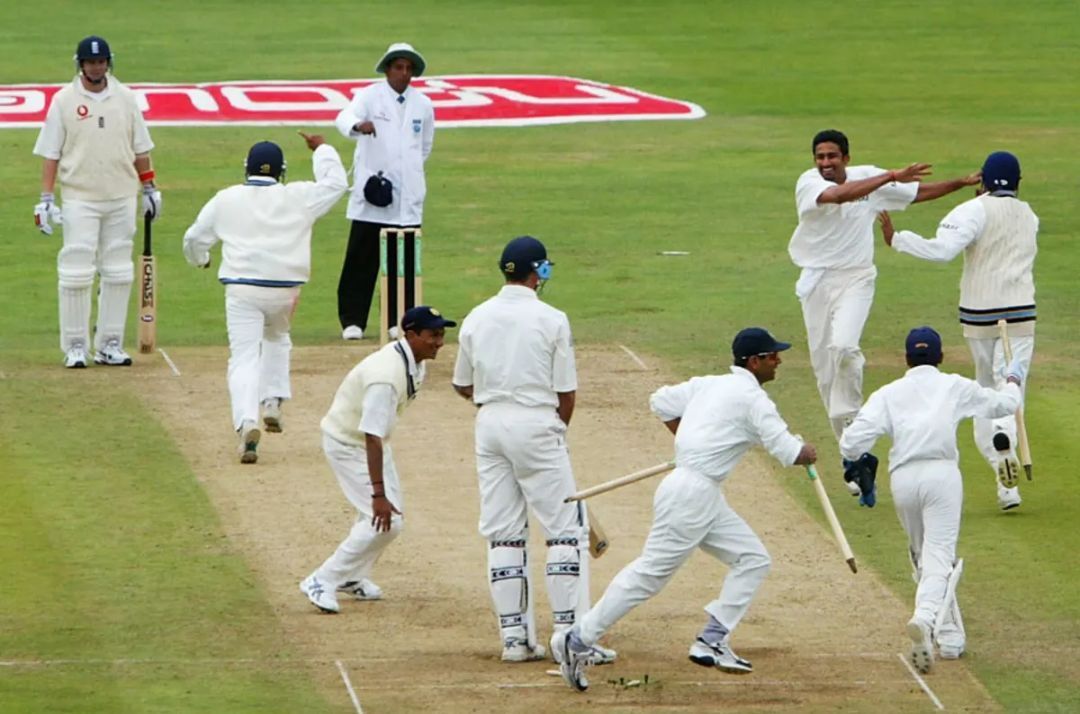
(522, 256)
(1001, 172)
(756, 341)
(423, 317)
(923, 346)
(265, 159)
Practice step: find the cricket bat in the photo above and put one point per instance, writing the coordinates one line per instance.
(147, 293)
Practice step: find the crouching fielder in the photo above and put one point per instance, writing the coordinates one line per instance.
(715, 419)
(356, 434)
(920, 412)
(264, 226)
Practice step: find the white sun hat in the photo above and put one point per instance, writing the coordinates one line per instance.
(402, 49)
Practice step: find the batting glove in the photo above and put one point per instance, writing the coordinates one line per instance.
(45, 212)
(151, 202)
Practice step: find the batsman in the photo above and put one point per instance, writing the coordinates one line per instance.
(95, 142)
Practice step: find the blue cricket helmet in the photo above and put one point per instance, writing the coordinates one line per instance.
(93, 47)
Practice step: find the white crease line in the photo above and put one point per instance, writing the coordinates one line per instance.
(921, 681)
(348, 686)
(634, 357)
(172, 365)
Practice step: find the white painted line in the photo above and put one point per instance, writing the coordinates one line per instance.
(348, 686)
(921, 681)
(172, 365)
(634, 357)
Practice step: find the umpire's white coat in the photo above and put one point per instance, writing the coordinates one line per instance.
(404, 135)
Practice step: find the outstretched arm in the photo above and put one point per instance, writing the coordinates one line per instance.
(930, 191)
(852, 190)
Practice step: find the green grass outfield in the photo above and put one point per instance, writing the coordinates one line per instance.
(110, 542)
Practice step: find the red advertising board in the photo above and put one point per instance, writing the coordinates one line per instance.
(459, 100)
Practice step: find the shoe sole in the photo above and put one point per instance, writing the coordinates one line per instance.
(1010, 506)
(106, 363)
(249, 455)
(921, 658)
(1008, 472)
(272, 424)
(77, 365)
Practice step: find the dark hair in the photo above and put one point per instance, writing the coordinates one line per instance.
(836, 137)
(921, 359)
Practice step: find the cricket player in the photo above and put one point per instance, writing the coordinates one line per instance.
(394, 129)
(920, 412)
(834, 246)
(516, 363)
(715, 420)
(996, 232)
(356, 440)
(264, 226)
(94, 140)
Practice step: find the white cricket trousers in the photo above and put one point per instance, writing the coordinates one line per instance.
(835, 309)
(258, 320)
(689, 511)
(928, 496)
(989, 357)
(97, 239)
(356, 556)
(522, 462)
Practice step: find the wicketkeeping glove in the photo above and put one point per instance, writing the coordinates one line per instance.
(863, 472)
(45, 212)
(151, 202)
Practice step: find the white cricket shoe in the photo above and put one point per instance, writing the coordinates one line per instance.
(352, 332)
(112, 354)
(516, 649)
(319, 595)
(1008, 498)
(271, 409)
(362, 589)
(249, 442)
(922, 649)
(75, 357)
(597, 656)
(719, 655)
(572, 662)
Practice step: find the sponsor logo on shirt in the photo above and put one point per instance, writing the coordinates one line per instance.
(458, 100)
(82, 111)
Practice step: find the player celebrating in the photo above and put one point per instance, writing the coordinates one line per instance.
(516, 363)
(996, 231)
(920, 412)
(264, 226)
(356, 436)
(715, 420)
(834, 246)
(394, 130)
(94, 140)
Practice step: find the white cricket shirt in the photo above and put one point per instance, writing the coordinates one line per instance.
(841, 235)
(920, 412)
(515, 348)
(722, 417)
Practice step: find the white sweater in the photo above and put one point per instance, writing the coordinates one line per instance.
(265, 226)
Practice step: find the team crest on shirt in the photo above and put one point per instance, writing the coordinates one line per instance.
(417, 124)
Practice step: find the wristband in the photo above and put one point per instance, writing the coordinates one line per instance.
(47, 197)
(377, 495)
(146, 176)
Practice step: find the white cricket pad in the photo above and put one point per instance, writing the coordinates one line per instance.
(74, 317)
(563, 580)
(113, 298)
(510, 591)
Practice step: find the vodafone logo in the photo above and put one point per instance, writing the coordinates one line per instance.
(82, 111)
(459, 100)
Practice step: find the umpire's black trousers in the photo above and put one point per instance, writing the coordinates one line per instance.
(359, 273)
